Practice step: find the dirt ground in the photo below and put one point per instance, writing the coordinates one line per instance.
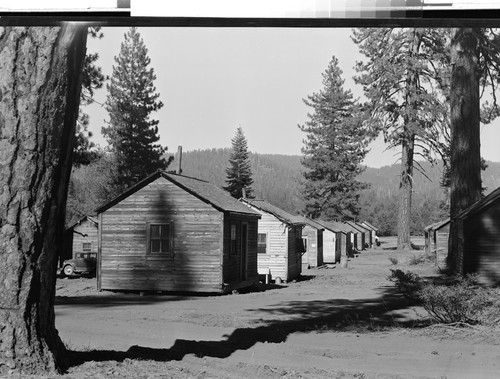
(333, 323)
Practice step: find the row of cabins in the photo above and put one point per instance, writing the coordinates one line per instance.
(176, 233)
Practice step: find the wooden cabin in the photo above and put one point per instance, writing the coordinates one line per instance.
(331, 242)
(436, 241)
(312, 238)
(175, 233)
(343, 239)
(355, 236)
(280, 241)
(361, 234)
(368, 232)
(479, 239)
(373, 231)
(81, 237)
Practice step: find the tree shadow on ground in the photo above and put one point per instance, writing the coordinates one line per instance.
(370, 314)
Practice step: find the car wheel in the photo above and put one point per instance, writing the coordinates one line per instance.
(68, 270)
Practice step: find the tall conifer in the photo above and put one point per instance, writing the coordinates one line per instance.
(238, 173)
(334, 147)
(132, 97)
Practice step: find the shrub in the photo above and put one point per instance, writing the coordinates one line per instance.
(418, 259)
(461, 301)
(394, 260)
(407, 282)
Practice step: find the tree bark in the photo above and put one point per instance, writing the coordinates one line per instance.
(465, 159)
(40, 82)
(405, 193)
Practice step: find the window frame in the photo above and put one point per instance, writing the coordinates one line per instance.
(233, 242)
(259, 244)
(87, 243)
(170, 239)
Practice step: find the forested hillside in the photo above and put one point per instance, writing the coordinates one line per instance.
(277, 180)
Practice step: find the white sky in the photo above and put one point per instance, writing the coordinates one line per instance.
(213, 80)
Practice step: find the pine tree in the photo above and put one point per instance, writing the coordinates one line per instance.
(406, 80)
(238, 173)
(333, 150)
(131, 99)
(92, 79)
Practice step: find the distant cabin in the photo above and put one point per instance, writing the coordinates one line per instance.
(335, 241)
(361, 234)
(312, 238)
(479, 239)
(436, 238)
(356, 238)
(373, 229)
(367, 232)
(176, 233)
(280, 241)
(81, 237)
(346, 238)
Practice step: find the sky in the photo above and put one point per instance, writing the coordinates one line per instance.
(214, 80)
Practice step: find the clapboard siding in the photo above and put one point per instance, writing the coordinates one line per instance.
(86, 232)
(329, 247)
(193, 265)
(482, 244)
(282, 258)
(199, 258)
(313, 257)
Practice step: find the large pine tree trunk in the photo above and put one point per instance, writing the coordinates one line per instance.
(40, 80)
(408, 145)
(405, 193)
(465, 160)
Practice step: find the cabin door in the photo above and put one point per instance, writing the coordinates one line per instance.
(244, 248)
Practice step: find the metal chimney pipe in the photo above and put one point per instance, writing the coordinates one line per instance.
(179, 160)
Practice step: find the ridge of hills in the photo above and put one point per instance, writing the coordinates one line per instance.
(277, 180)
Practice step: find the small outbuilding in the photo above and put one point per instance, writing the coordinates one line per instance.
(373, 234)
(80, 238)
(479, 239)
(312, 238)
(280, 241)
(176, 233)
(356, 238)
(331, 242)
(436, 238)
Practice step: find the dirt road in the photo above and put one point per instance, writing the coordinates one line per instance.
(335, 322)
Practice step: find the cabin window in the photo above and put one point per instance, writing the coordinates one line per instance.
(87, 246)
(262, 243)
(233, 239)
(159, 238)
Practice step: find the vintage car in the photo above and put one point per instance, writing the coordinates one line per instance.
(82, 263)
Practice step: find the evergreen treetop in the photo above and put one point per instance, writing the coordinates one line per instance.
(238, 173)
(334, 147)
(132, 97)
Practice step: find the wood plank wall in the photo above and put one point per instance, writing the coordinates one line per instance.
(232, 260)
(329, 246)
(482, 244)
(90, 230)
(194, 264)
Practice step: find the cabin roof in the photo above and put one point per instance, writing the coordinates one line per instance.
(92, 220)
(279, 213)
(312, 223)
(437, 225)
(356, 226)
(369, 225)
(333, 226)
(481, 204)
(203, 190)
